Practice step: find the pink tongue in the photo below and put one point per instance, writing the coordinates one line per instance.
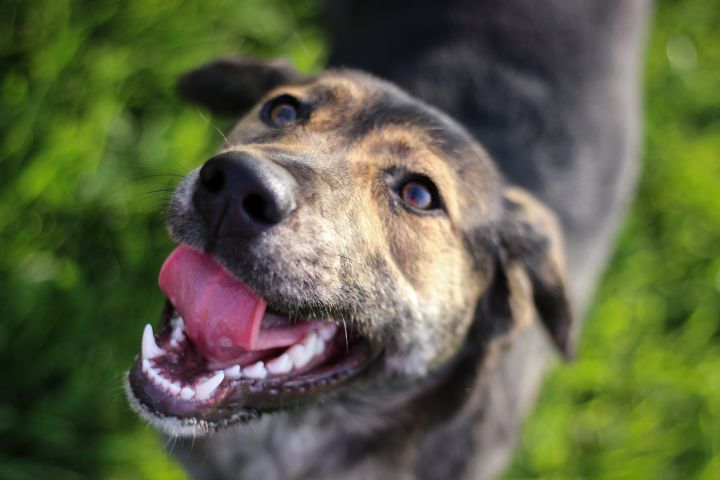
(221, 314)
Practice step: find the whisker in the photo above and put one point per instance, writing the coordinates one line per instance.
(161, 190)
(215, 127)
(171, 443)
(356, 262)
(142, 179)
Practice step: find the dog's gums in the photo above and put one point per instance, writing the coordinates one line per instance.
(202, 376)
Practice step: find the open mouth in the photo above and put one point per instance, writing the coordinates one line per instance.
(223, 356)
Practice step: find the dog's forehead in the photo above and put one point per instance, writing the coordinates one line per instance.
(358, 104)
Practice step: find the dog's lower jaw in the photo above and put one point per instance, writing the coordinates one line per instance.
(463, 426)
(176, 427)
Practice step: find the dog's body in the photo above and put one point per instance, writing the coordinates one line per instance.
(552, 93)
(550, 88)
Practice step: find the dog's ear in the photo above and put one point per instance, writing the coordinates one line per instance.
(530, 273)
(231, 86)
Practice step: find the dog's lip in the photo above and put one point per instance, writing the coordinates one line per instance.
(171, 380)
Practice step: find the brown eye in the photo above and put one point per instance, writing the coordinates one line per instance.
(417, 195)
(281, 111)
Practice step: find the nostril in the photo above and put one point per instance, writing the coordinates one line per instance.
(257, 208)
(212, 178)
(237, 194)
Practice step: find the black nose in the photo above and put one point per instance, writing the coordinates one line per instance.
(241, 195)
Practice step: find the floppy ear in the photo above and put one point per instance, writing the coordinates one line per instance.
(231, 86)
(530, 273)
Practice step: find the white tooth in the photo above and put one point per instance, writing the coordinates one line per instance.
(145, 365)
(177, 323)
(233, 372)
(256, 370)
(327, 332)
(174, 388)
(206, 388)
(300, 355)
(149, 347)
(310, 342)
(280, 365)
(177, 334)
(165, 384)
(319, 346)
(187, 393)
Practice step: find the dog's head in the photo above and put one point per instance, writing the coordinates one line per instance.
(346, 236)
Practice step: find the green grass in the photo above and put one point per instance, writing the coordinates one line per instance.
(92, 136)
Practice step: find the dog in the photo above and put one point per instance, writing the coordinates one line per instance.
(364, 290)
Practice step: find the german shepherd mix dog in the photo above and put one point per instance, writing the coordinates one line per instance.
(363, 291)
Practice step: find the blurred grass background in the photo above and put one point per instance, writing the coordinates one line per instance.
(92, 137)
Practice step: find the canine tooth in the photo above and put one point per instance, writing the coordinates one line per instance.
(207, 387)
(256, 370)
(174, 388)
(187, 393)
(300, 355)
(149, 347)
(280, 365)
(233, 372)
(145, 365)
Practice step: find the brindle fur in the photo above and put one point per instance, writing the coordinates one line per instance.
(406, 281)
(438, 291)
(459, 300)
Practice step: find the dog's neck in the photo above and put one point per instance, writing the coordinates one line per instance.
(313, 443)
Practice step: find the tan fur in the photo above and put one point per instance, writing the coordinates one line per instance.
(441, 292)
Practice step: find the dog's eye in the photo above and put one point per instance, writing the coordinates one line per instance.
(281, 111)
(419, 195)
(283, 114)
